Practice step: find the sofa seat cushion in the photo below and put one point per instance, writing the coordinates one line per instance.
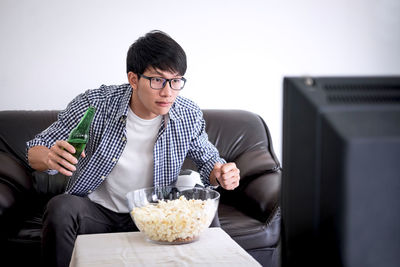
(249, 233)
(30, 231)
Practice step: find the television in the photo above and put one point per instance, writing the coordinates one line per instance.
(340, 194)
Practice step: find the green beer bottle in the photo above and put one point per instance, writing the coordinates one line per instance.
(80, 134)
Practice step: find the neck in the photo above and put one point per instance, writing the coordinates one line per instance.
(138, 108)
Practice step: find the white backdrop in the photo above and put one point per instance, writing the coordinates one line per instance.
(238, 51)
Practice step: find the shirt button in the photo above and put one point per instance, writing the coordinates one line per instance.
(90, 191)
(124, 139)
(102, 177)
(114, 160)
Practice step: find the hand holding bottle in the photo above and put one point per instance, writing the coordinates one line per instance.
(61, 157)
(64, 154)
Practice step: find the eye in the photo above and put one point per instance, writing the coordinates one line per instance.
(157, 80)
(178, 81)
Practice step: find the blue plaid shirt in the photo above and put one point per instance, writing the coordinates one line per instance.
(181, 134)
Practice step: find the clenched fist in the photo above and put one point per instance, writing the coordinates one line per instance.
(226, 175)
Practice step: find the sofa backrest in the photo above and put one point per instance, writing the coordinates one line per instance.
(19, 126)
(233, 132)
(16, 128)
(240, 137)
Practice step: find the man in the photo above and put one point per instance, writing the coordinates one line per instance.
(140, 136)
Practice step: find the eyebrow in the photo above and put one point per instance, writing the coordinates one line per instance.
(154, 71)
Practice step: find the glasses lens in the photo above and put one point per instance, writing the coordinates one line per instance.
(177, 84)
(157, 83)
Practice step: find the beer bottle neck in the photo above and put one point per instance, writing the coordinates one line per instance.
(84, 125)
(81, 131)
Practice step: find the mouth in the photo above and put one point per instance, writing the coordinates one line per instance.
(163, 103)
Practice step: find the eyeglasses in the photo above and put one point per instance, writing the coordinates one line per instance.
(159, 83)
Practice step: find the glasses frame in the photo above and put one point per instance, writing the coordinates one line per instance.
(164, 82)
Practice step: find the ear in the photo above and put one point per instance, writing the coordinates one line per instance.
(133, 79)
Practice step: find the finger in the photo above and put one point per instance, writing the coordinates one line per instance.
(231, 174)
(83, 154)
(231, 179)
(235, 182)
(64, 150)
(64, 171)
(55, 166)
(62, 144)
(59, 163)
(227, 167)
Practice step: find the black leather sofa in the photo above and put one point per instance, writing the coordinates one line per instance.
(250, 214)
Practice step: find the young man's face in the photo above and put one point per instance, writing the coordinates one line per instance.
(148, 103)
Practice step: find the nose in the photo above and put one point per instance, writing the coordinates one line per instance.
(166, 91)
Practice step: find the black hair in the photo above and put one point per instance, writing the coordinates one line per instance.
(158, 50)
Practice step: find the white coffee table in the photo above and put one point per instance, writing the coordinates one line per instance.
(214, 248)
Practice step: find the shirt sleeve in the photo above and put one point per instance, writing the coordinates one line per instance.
(60, 129)
(203, 153)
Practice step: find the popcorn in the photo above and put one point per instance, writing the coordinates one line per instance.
(174, 220)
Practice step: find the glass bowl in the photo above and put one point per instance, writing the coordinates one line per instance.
(173, 215)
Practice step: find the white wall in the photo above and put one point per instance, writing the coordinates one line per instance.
(238, 51)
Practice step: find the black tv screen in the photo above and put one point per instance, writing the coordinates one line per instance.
(340, 195)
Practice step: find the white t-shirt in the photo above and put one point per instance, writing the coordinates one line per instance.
(134, 168)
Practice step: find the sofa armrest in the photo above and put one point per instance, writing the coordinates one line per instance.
(14, 174)
(7, 199)
(15, 189)
(257, 196)
(263, 194)
(260, 180)
(256, 162)
(15, 183)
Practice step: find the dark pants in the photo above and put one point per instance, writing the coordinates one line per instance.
(68, 216)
